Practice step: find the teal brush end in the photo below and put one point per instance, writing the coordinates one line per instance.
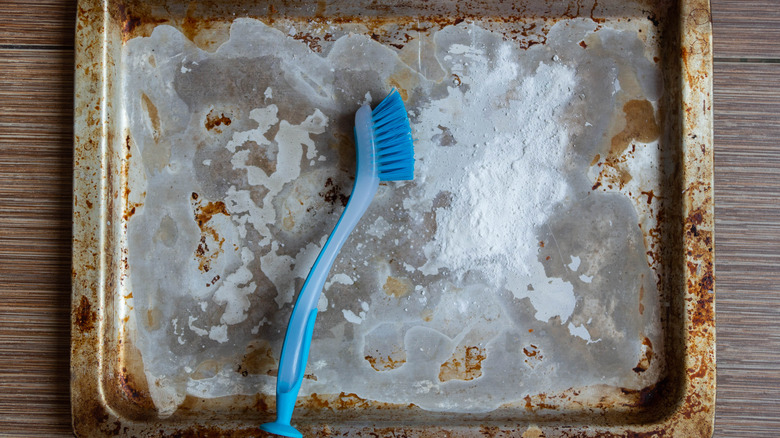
(281, 429)
(393, 137)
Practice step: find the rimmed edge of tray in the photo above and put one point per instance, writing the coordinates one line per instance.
(98, 43)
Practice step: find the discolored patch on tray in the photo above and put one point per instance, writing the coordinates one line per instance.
(465, 364)
(641, 126)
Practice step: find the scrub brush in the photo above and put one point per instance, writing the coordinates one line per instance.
(383, 140)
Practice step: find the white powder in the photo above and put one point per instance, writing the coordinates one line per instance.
(502, 165)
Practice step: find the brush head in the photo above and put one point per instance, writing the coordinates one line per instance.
(393, 139)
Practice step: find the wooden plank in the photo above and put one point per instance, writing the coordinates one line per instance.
(35, 196)
(37, 22)
(746, 29)
(747, 195)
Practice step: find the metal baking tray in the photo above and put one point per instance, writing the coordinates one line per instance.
(549, 272)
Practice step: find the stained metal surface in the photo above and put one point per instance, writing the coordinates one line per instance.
(136, 373)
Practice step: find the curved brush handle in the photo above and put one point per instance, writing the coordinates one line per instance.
(297, 340)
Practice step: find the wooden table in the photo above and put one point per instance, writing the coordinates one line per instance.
(36, 65)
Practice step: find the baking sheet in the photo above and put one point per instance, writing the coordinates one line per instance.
(228, 154)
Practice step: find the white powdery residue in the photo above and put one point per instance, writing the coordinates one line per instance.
(204, 305)
(512, 162)
(586, 278)
(198, 331)
(364, 306)
(256, 329)
(282, 270)
(322, 303)
(290, 139)
(219, 333)
(207, 162)
(366, 99)
(234, 291)
(581, 332)
(351, 317)
(340, 278)
(424, 386)
(268, 93)
(179, 338)
(575, 263)
(379, 227)
(550, 297)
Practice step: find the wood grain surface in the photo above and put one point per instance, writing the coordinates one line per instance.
(747, 29)
(36, 53)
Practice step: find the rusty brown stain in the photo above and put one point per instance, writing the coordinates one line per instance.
(386, 363)
(641, 298)
(206, 212)
(404, 80)
(351, 400)
(647, 357)
(322, 5)
(595, 160)
(129, 22)
(258, 359)
(533, 354)
(333, 194)
(154, 115)
(130, 211)
(203, 214)
(700, 372)
(213, 120)
(696, 218)
(397, 286)
(533, 432)
(99, 414)
(583, 44)
(310, 40)
(465, 364)
(640, 126)
(342, 401)
(128, 386)
(650, 195)
(538, 401)
(288, 222)
(153, 318)
(84, 316)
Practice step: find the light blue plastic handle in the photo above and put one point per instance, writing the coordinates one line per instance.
(295, 350)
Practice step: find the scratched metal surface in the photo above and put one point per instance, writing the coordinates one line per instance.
(225, 158)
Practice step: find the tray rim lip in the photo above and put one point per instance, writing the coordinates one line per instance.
(91, 411)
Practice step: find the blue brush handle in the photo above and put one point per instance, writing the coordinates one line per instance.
(297, 340)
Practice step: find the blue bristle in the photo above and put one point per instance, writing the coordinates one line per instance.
(393, 137)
